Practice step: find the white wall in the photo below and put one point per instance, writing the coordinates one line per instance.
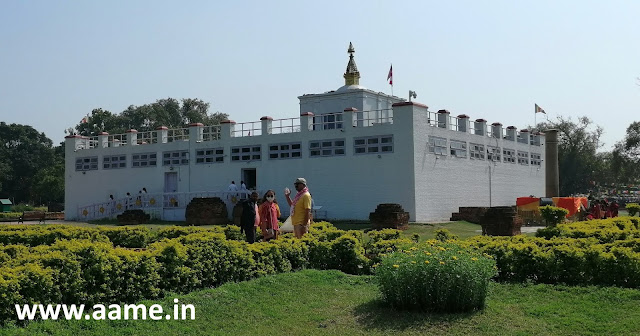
(444, 183)
(347, 186)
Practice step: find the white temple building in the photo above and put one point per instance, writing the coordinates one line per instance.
(357, 148)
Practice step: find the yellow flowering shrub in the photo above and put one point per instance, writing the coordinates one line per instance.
(434, 278)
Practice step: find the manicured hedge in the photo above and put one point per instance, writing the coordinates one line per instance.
(571, 261)
(84, 265)
(605, 230)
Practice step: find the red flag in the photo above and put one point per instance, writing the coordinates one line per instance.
(539, 109)
(390, 75)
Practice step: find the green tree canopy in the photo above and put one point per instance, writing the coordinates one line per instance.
(24, 154)
(167, 112)
(626, 155)
(582, 168)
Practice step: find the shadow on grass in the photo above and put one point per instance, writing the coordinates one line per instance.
(376, 315)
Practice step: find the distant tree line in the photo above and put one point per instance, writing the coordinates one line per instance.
(584, 169)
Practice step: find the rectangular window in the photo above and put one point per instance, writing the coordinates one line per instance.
(175, 158)
(373, 145)
(493, 154)
(509, 155)
(458, 149)
(246, 153)
(114, 161)
(210, 155)
(331, 121)
(536, 159)
(87, 163)
(285, 151)
(476, 151)
(523, 158)
(437, 145)
(144, 160)
(333, 147)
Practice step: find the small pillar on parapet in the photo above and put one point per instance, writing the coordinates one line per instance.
(227, 127)
(480, 127)
(496, 130)
(306, 122)
(348, 117)
(536, 138)
(267, 123)
(463, 123)
(103, 140)
(443, 119)
(162, 133)
(196, 132)
(132, 137)
(511, 133)
(524, 137)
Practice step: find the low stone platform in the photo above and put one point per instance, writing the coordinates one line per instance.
(389, 216)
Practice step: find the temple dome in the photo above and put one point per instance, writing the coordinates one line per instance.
(350, 87)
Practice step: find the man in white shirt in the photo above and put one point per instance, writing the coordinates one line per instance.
(233, 186)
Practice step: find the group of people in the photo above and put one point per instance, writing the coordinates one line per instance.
(601, 209)
(265, 214)
(129, 201)
(234, 187)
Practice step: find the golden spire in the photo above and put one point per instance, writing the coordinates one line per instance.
(351, 76)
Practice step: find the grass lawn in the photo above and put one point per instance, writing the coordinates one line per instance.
(332, 303)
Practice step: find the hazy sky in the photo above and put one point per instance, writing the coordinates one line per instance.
(490, 59)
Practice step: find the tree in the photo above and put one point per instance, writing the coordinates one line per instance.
(581, 167)
(167, 112)
(626, 156)
(25, 152)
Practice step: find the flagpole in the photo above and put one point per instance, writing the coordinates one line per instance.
(535, 118)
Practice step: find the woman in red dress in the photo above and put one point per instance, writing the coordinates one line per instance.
(269, 214)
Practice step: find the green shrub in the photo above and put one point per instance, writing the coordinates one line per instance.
(444, 235)
(22, 207)
(445, 278)
(177, 231)
(553, 215)
(10, 215)
(384, 234)
(173, 257)
(45, 235)
(232, 232)
(130, 237)
(633, 208)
